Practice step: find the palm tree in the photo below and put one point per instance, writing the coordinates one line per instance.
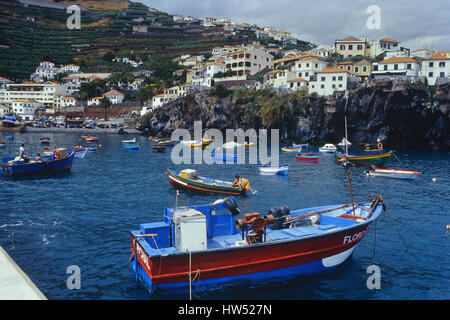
(105, 103)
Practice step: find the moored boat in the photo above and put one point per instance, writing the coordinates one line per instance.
(129, 141)
(159, 149)
(344, 142)
(165, 143)
(328, 148)
(306, 157)
(60, 161)
(394, 173)
(201, 248)
(379, 159)
(91, 139)
(74, 122)
(80, 151)
(9, 120)
(131, 146)
(188, 179)
(45, 140)
(266, 170)
(2, 144)
(225, 157)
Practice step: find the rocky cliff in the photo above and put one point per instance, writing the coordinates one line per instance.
(404, 116)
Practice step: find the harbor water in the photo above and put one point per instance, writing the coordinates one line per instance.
(83, 219)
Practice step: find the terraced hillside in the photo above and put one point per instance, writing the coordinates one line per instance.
(33, 33)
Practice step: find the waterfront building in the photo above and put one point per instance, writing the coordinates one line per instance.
(436, 67)
(43, 93)
(25, 109)
(307, 68)
(158, 101)
(404, 68)
(384, 45)
(329, 81)
(298, 84)
(248, 60)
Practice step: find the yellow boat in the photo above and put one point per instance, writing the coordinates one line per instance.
(156, 139)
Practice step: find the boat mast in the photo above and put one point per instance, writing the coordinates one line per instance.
(347, 163)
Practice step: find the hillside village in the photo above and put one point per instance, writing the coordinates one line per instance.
(269, 61)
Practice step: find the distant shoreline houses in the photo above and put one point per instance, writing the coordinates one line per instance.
(323, 70)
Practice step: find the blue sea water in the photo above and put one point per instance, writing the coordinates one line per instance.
(83, 218)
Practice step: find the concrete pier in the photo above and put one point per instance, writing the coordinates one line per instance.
(14, 283)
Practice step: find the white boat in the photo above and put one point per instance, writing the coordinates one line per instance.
(231, 145)
(344, 142)
(129, 141)
(274, 170)
(328, 147)
(80, 153)
(394, 173)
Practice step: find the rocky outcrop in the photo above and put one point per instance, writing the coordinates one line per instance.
(403, 115)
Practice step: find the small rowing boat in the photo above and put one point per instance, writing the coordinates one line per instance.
(155, 139)
(45, 140)
(307, 157)
(188, 179)
(2, 144)
(274, 170)
(129, 141)
(131, 146)
(225, 157)
(91, 139)
(165, 143)
(394, 173)
(80, 151)
(159, 149)
(379, 159)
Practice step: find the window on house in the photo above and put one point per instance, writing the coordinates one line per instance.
(356, 69)
(360, 47)
(299, 74)
(430, 64)
(322, 86)
(430, 74)
(340, 86)
(364, 69)
(408, 66)
(385, 67)
(306, 74)
(442, 64)
(322, 78)
(342, 47)
(334, 86)
(340, 78)
(442, 75)
(395, 66)
(350, 47)
(334, 78)
(375, 68)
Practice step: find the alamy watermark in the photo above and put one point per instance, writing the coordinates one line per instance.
(374, 20)
(74, 21)
(74, 280)
(219, 152)
(374, 280)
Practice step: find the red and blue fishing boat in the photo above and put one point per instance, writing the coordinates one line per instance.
(205, 248)
(9, 120)
(378, 159)
(59, 161)
(306, 157)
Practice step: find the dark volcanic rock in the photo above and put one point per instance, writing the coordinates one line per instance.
(403, 115)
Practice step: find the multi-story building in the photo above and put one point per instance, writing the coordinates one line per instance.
(362, 69)
(25, 109)
(95, 101)
(351, 47)
(422, 53)
(307, 68)
(114, 96)
(435, 67)
(406, 68)
(158, 101)
(42, 93)
(248, 60)
(329, 81)
(381, 46)
(298, 84)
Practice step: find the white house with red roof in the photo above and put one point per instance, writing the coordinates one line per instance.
(394, 67)
(381, 46)
(329, 81)
(115, 96)
(435, 67)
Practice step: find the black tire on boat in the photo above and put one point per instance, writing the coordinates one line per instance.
(278, 223)
(232, 206)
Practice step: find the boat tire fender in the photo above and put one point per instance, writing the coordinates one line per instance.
(278, 223)
(232, 206)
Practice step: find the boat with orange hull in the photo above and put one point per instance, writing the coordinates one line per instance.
(378, 159)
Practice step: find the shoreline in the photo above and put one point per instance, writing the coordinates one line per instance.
(28, 129)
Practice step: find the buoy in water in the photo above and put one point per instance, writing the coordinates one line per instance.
(434, 179)
(448, 227)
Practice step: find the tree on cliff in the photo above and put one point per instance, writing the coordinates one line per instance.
(106, 104)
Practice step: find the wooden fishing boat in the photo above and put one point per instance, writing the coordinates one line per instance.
(373, 150)
(188, 179)
(45, 140)
(10, 138)
(274, 170)
(379, 160)
(328, 148)
(394, 173)
(79, 151)
(165, 143)
(2, 144)
(129, 141)
(295, 147)
(74, 122)
(301, 145)
(202, 248)
(307, 157)
(9, 120)
(13, 167)
(225, 157)
(134, 146)
(91, 139)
